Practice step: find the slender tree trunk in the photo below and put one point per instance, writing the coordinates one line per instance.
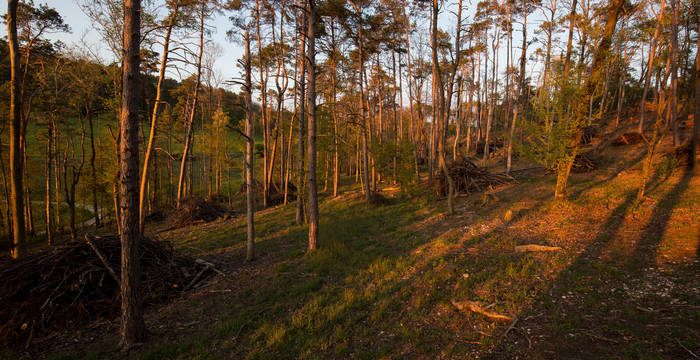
(696, 118)
(17, 188)
(336, 156)
(438, 104)
(154, 115)
(133, 330)
(600, 58)
(96, 211)
(363, 111)
(650, 66)
(410, 96)
(674, 73)
(48, 167)
(302, 116)
(193, 110)
(311, 152)
(249, 155)
(263, 99)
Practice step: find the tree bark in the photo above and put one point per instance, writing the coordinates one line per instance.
(696, 118)
(311, 150)
(133, 330)
(249, 155)
(17, 188)
(302, 117)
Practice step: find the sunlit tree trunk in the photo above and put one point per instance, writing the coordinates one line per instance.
(311, 151)
(650, 66)
(154, 116)
(601, 55)
(696, 119)
(193, 110)
(15, 121)
(133, 330)
(249, 154)
(302, 116)
(438, 104)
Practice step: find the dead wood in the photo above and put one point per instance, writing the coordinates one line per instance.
(196, 210)
(376, 198)
(469, 178)
(583, 163)
(534, 247)
(628, 138)
(77, 283)
(475, 306)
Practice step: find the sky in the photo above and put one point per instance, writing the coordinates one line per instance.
(81, 28)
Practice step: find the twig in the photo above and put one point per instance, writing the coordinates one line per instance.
(210, 265)
(594, 336)
(102, 259)
(686, 349)
(476, 307)
(512, 325)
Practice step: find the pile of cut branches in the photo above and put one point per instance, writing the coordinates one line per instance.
(494, 146)
(77, 283)
(629, 138)
(469, 178)
(583, 163)
(196, 210)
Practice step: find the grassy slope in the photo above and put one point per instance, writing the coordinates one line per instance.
(625, 285)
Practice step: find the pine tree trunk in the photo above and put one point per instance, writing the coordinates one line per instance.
(132, 325)
(600, 58)
(311, 151)
(15, 120)
(154, 115)
(696, 118)
(249, 155)
(302, 116)
(193, 110)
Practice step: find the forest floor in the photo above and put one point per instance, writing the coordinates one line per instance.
(382, 284)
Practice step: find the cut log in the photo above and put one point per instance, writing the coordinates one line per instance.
(533, 247)
(475, 306)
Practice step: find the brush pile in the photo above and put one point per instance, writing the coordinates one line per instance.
(588, 133)
(74, 284)
(494, 146)
(378, 199)
(630, 138)
(196, 210)
(469, 178)
(682, 155)
(583, 164)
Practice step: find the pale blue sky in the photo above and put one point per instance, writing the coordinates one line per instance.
(81, 26)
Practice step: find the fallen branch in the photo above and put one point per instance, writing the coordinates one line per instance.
(686, 349)
(210, 265)
(512, 325)
(476, 307)
(533, 247)
(102, 259)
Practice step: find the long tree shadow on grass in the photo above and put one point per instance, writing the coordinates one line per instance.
(608, 304)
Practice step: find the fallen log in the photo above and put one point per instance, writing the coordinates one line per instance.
(475, 306)
(534, 248)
